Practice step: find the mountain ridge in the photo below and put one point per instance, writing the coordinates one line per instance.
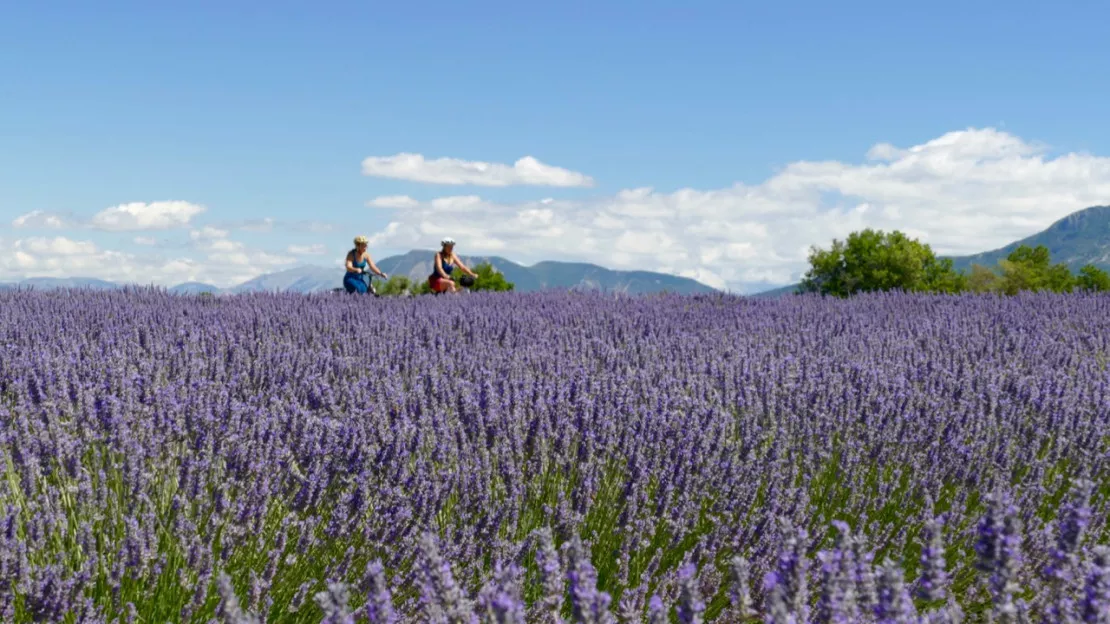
(417, 265)
(1079, 238)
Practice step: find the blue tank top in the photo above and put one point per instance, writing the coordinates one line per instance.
(447, 267)
(360, 264)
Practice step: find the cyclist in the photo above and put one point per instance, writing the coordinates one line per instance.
(444, 265)
(359, 263)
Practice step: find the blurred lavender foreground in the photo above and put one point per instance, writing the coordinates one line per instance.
(553, 458)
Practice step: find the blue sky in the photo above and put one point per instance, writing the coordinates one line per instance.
(267, 110)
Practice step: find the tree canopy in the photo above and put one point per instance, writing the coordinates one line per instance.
(874, 260)
(490, 278)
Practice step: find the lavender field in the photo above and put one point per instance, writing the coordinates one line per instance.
(553, 458)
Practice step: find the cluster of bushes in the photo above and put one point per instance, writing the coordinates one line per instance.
(488, 278)
(874, 260)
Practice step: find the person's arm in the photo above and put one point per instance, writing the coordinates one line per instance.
(374, 267)
(439, 267)
(466, 269)
(351, 263)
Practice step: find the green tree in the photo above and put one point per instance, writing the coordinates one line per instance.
(873, 260)
(941, 277)
(1092, 278)
(421, 288)
(395, 285)
(982, 279)
(490, 278)
(1031, 269)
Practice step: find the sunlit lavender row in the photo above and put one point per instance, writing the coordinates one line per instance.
(544, 457)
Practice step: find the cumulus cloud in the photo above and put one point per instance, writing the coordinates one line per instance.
(208, 252)
(134, 216)
(525, 171)
(963, 192)
(160, 215)
(208, 233)
(64, 257)
(210, 257)
(57, 246)
(38, 219)
(233, 257)
(393, 201)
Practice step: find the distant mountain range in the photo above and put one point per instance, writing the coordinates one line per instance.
(1079, 238)
(417, 265)
(1083, 237)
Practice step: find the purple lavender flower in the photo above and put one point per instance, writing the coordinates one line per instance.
(552, 581)
(379, 601)
(837, 600)
(740, 587)
(933, 580)
(333, 602)
(895, 605)
(229, 608)
(1095, 605)
(691, 607)
(999, 553)
(657, 612)
(442, 597)
(589, 605)
(501, 598)
(160, 440)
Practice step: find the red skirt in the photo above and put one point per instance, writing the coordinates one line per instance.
(438, 284)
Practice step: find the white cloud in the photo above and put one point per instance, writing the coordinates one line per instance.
(57, 246)
(525, 171)
(393, 201)
(39, 219)
(208, 233)
(146, 241)
(308, 250)
(161, 215)
(963, 192)
(227, 262)
(212, 259)
(64, 257)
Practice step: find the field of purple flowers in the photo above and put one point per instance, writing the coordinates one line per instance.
(553, 458)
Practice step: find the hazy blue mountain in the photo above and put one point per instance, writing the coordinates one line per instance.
(303, 279)
(194, 288)
(1083, 237)
(585, 276)
(51, 283)
(417, 265)
(775, 292)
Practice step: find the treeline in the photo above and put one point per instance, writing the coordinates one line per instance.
(488, 278)
(874, 260)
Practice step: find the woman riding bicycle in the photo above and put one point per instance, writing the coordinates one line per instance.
(442, 267)
(358, 259)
